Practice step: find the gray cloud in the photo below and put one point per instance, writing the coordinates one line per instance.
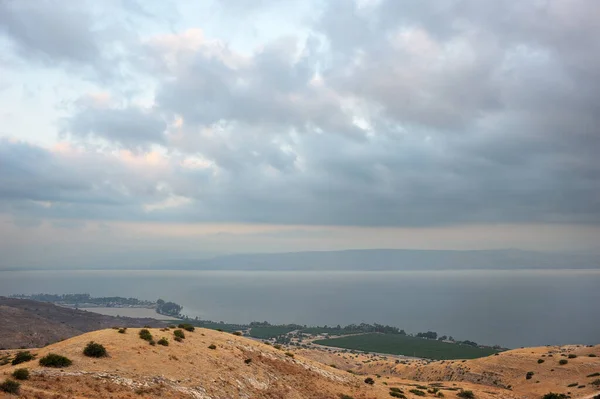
(400, 114)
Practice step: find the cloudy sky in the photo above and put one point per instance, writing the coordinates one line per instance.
(134, 129)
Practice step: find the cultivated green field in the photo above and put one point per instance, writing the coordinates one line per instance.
(396, 344)
(269, 332)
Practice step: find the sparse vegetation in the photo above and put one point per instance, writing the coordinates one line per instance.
(163, 341)
(369, 381)
(344, 396)
(21, 374)
(212, 346)
(572, 356)
(466, 394)
(22, 357)
(573, 384)
(56, 361)
(248, 361)
(395, 394)
(145, 334)
(562, 362)
(94, 349)
(238, 333)
(540, 361)
(122, 330)
(289, 354)
(179, 334)
(187, 327)
(592, 355)
(178, 339)
(10, 386)
(596, 382)
(417, 392)
(152, 342)
(593, 375)
(529, 375)
(553, 395)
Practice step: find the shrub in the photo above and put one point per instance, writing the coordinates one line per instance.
(179, 333)
(440, 394)
(417, 392)
(553, 395)
(171, 326)
(94, 349)
(395, 394)
(466, 394)
(593, 375)
(277, 346)
(394, 389)
(22, 357)
(238, 333)
(10, 386)
(596, 382)
(562, 362)
(248, 361)
(145, 334)
(212, 346)
(572, 356)
(54, 360)
(152, 342)
(21, 374)
(573, 384)
(369, 381)
(540, 361)
(178, 339)
(122, 330)
(289, 354)
(187, 327)
(529, 375)
(163, 341)
(343, 396)
(592, 355)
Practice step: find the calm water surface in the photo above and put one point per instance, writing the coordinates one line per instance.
(510, 308)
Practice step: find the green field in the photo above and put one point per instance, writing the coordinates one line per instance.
(396, 344)
(270, 332)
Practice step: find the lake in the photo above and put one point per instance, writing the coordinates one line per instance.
(509, 308)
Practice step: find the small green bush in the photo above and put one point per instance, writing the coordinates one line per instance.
(562, 362)
(593, 375)
(596, 382)
(187, 327)
(395, 394)
(238, 333)
(54, 360)
(163, 341)
(440, 394)
(540, 361)
(369, 381)
(417, 392)
(21, 374)
(179, 333)
(22, 357)
(122, 330)
(94, 349)
(145, 334)
(573, 384)
(178, 339)
(394, 389)
(152, 342)
(529, 375)
(553, 395)
(277, 346)
(248, 361)
(466, 394)
(572, 356)
(592, 355)
(212, 346)
(289, 354)
(10, 386)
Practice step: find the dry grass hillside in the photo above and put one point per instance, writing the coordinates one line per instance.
(237, 367)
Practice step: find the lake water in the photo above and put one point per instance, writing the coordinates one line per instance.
(509, 308)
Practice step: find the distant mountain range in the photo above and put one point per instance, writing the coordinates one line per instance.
(392, 259)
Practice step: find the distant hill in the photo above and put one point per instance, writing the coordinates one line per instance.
(393, 259)
(31, 324)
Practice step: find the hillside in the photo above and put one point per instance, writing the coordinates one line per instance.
(31, 324)
(239, 367)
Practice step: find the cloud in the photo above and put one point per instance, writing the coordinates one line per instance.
(380, 113)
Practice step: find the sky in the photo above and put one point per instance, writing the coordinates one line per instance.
(133, 130)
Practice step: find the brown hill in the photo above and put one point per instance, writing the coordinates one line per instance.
(31, 324)
(238, 367)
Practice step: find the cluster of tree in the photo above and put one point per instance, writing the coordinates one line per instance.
(168, 308)
(75, 299)
(428, 335)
